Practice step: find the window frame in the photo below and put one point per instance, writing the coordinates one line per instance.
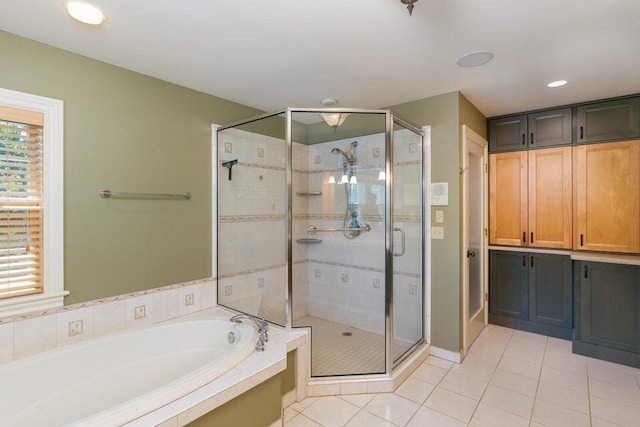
(53, 292)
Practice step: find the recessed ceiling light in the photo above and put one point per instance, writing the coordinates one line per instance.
(557, 83)
(85, 12)
(475, 59)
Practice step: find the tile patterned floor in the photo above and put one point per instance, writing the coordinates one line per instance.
(509, 378)
(333, 353)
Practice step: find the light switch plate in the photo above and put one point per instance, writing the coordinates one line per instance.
(437, 233)
(439, 217)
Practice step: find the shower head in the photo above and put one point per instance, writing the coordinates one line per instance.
(349, 157)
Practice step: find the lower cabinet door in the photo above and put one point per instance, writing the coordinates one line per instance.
(550, 290)
(509, 284)
(610, 305)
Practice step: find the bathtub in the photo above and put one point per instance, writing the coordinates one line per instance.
(111, 380)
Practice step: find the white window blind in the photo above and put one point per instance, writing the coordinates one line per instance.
(21, 193)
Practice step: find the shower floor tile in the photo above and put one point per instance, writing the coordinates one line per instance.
(338, 349)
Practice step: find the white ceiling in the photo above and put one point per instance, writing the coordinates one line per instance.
(272, 54)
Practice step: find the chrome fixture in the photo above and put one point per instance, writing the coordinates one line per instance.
(312, 229)
(263, 328)
(107, 194)
(351, 226)
(409, 4)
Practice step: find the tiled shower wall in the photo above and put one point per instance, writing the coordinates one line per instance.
(339, 279)
(251, 224)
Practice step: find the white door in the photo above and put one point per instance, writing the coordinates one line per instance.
(474, 206)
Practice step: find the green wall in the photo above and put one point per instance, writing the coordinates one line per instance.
(126, 132)
(446, 114)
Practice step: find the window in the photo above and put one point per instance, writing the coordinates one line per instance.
(31, 245)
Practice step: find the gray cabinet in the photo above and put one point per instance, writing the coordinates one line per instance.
(608, 121)
(540, 129)
(531, 291)
(608, 319)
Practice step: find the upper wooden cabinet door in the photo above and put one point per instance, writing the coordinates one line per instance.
(606, 197)
(550, 193)
(508, 198)
(507, 134)
(549, 128)
(607, 121)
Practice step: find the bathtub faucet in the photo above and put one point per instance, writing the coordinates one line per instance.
(263, 328)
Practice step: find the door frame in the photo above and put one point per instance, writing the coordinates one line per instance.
(468, 135)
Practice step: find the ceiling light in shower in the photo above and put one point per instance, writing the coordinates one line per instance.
(85, 12)
(382, 176)
(353, 180)
(409, 4)
(332, 179)
(332, 119)
(344, 179)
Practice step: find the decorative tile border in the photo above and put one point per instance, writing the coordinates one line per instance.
(356, 267)
(253, 270)
(227, 219)
(261, 166)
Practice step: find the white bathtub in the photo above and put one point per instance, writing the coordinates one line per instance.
(111, 380)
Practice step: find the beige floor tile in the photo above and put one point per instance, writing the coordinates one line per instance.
(429, 374)
(440, 363)
(612, 373)
(426, 417)
(303, 404)
(393, 408)
(525, 337)
(562, 396)
(478, 370)
(597, 422)
(558, 345)
(533, 353)
(288, 414)
(614, 412)
(452, 404)
(573, 363)
(515, 382)
(330, 411)
(415, 390)
(489, 416)
(556, 416)
(367, 419)
(563, 379)
(520, 367)
(484, 356)
(492, 344)
(464, 385)
(620, 394)
(360, 400)
(509, 401)
(301, 421)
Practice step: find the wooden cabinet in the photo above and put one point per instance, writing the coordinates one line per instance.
(541, 129)
(608, 312)
(606, 197)
(530, 198)
(531, 291)
(607, 121)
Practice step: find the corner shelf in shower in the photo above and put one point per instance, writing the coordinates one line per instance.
(309, 193)
(308, 241)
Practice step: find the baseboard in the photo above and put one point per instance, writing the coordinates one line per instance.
(449, 355)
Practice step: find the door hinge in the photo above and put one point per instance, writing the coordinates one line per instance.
(486, 297)
(485, 232)
(485, 168)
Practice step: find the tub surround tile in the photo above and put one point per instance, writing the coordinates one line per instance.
(74, 326)
(34, 335)
(6, 343)
(109, 318)
(165, 305)
(139, 311)
(189, 299)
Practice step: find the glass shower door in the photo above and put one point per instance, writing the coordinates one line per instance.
(407, 240)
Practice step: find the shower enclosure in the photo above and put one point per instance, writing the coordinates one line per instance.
(322, 226)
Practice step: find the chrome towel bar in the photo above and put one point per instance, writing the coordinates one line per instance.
(107, 194)
(312, 229)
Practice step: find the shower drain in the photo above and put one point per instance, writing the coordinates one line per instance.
(347, 334)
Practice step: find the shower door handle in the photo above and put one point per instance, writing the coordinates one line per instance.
(403, 242)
